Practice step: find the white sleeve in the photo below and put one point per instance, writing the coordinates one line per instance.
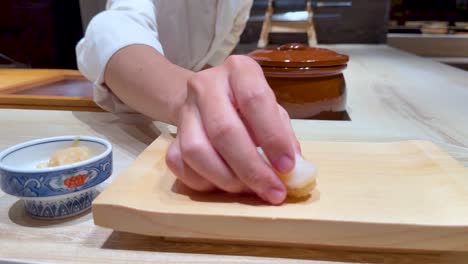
(232, 39)
(123, 23)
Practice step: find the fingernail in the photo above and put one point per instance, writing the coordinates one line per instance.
(276, 196)
(284, 164)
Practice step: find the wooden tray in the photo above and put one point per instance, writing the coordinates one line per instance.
(387, 196)
(46, 89)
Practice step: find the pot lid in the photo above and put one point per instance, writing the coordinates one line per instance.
(298, 55)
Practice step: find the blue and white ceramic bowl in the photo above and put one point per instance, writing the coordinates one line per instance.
(60, 206)
(59, 191)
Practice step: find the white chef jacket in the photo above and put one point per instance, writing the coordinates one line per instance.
(189, 33)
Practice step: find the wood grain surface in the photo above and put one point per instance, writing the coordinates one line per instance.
(393, 196)
(392, 96)
(47, 89)
(20, 79)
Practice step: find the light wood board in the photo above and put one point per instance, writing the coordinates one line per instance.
(13, 81)
(21, 79)
(392, 196)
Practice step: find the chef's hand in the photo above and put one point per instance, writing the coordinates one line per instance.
(229, 111)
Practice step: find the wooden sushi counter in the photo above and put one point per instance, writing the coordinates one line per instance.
(392, 96)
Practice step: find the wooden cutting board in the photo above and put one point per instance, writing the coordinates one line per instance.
(387, 196)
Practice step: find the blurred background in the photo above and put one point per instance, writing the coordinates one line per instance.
(43, 33)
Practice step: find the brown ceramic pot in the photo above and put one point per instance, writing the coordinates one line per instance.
(308, 82)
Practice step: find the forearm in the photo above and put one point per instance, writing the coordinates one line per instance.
(147, 82)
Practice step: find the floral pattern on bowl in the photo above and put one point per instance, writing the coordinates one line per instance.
(57, 207)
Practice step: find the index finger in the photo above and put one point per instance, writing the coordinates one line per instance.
(258, 107)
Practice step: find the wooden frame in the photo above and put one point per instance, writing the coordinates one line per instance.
(271, 26)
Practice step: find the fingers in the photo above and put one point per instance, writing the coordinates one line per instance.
(183, 172)
(229, 136)
(257, 105)
(199, 154)
(287, 121)
(230, 109)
